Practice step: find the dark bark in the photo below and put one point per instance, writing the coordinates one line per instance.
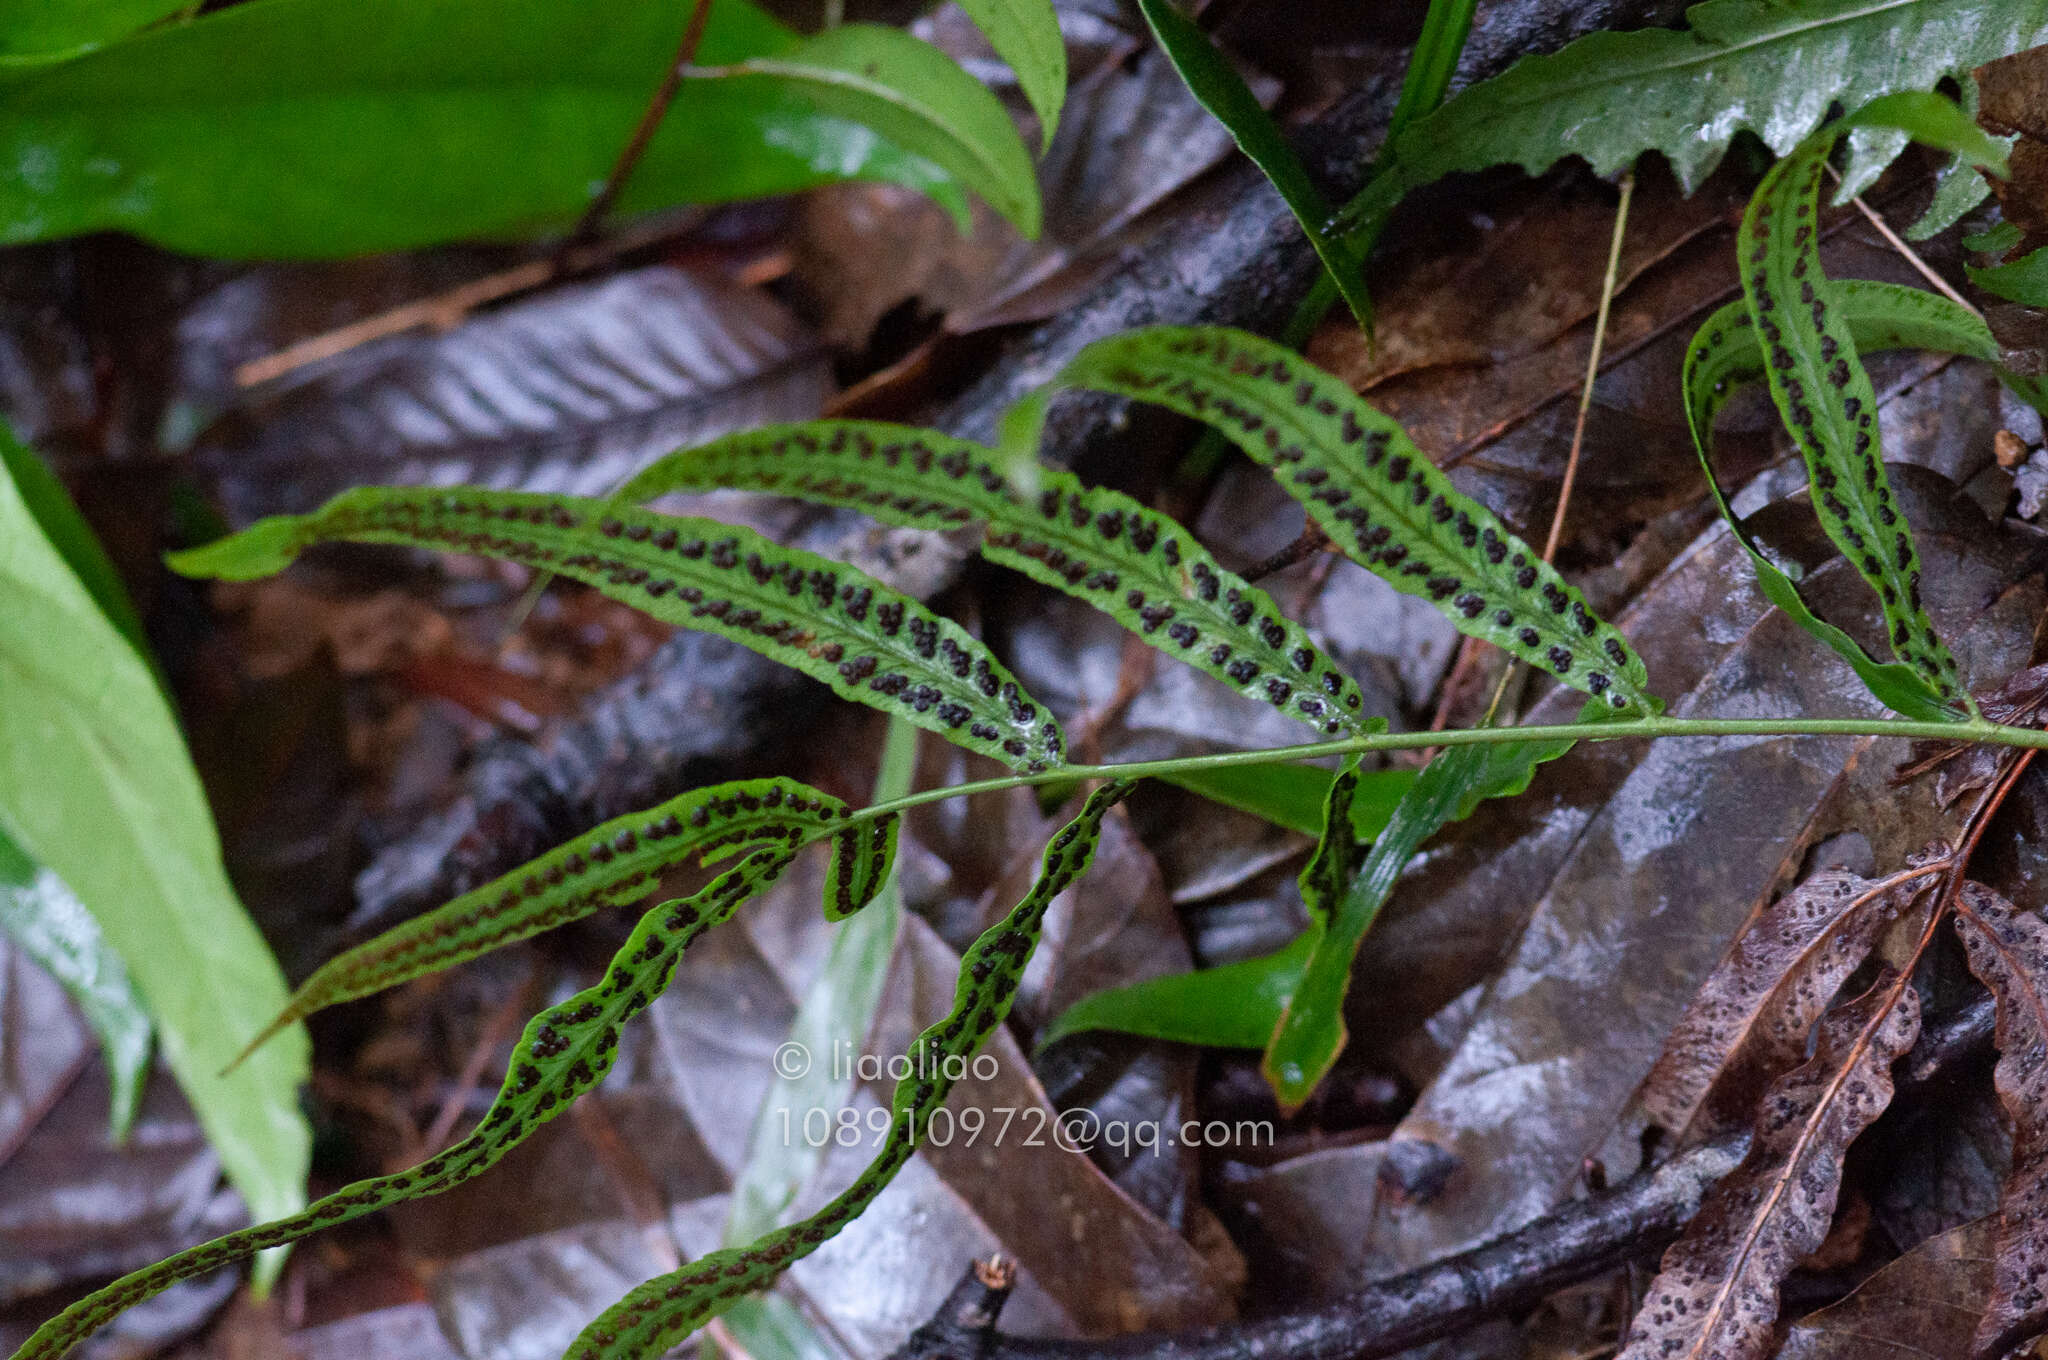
(1628, 1222)
(1235, 257)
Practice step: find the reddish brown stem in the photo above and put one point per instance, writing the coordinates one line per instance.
(650, 119)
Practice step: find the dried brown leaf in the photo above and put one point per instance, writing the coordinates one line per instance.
(1748, 1023)
(2009, 954)
(1717, 1295)
(1920, 1307)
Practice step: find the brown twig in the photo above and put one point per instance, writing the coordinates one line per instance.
(650, 120)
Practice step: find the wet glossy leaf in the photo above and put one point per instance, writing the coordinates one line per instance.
(1716, 1297)
(505, 120)
(97, 787)
(1771, 68)
(1749, 1022)
(1223, 92)
(1374, 493)
(2008, 952)
(565, 1051)
(827, 620)
(1820, 385)
(610, 865)
(51, 926)
(1136, 565)
(660, 1313)
(2024, 281)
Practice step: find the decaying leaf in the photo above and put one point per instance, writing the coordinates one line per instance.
(1748, 1023)
(1717, 1295)
(573, 390)
(1922, 1306)
(2009, 953)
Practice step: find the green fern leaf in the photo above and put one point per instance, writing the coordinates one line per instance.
(1822, 390)
(564, 1052)
(1140, 567)
(610, 865)
(1374, 493)
(824, 618)
(660, 1313)
(1725, 354)
(1764, 66)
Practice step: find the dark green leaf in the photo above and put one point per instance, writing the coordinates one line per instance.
(1222, 91)
(565, 1051)
(657, 1315)
(1234, 1006)
(1374, 493)
(306, 128)
(826, 619)
(50, 925)
(1433, 62)
(1772, 67)
(1138, 566)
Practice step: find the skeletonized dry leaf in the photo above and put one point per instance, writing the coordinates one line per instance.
(2009, 953)
(1716, 1297)
(1749, 1021)
(571, 391)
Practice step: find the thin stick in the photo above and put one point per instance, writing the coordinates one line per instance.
(1571, 466)
(650, 120)
(1906, 251)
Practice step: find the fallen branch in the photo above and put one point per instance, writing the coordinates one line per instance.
(1584, 1238)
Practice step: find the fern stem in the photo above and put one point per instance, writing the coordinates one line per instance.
(1996, 734)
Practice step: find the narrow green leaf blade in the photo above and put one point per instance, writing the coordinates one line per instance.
(97, 787)
(822, 617)
(1232, 1006)
(1026, 34)
(1310, 1033)
(1433, 62)
(839, 1008)
(1292, 796)
(913, 96)
(1222, 91)
(658, 1314)
(1374, 493)
(55, 513)
(436, 120)
(564, 1051)
(1828, 404)
(47, 922)
(610, 865)
(1140, 567)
